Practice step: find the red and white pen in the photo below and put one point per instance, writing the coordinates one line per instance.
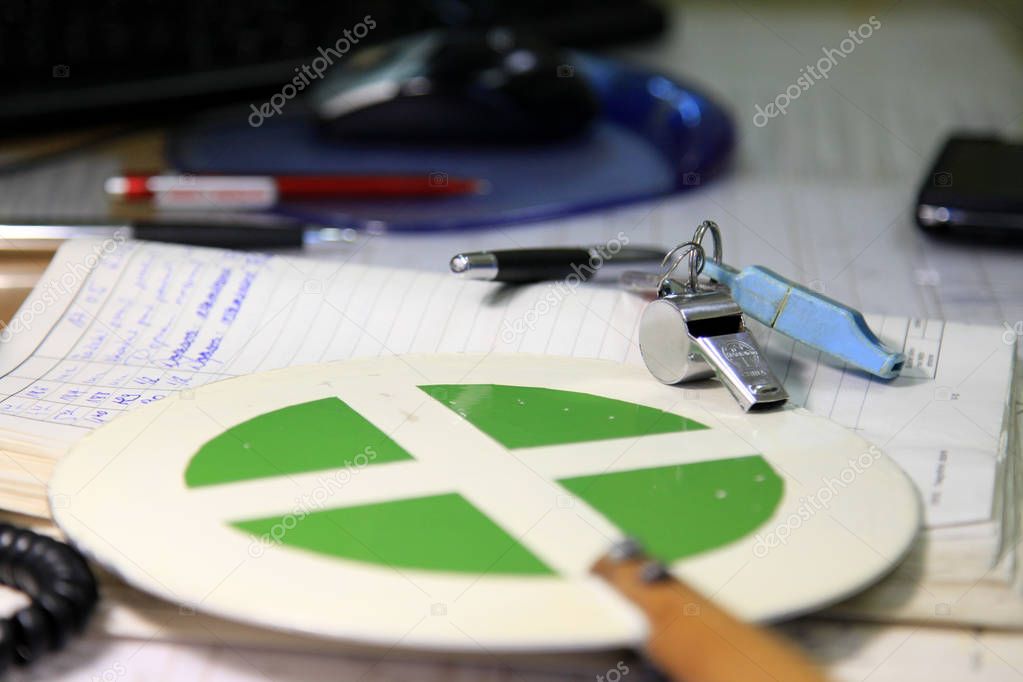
(264, 191)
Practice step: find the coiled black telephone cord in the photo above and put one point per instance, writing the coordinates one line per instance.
(62, 589)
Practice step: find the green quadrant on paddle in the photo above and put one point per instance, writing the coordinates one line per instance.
(681, 510)
(440, 532)
(313, 436)
(526, 416)
(676, 511)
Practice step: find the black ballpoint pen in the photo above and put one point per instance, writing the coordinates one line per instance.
(520, 266)
(223, 231)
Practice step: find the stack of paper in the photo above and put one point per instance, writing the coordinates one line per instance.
(115, 326)
(949, 422)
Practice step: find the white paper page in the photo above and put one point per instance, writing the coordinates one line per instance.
(149, 320)
(941, 420)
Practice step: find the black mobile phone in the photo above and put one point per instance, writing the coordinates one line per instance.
(975, 187)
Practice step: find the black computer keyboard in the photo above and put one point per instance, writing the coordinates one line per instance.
(67, 62)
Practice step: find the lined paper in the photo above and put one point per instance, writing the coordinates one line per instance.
(150, 320)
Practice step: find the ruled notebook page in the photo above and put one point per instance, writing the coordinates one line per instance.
(114, 326)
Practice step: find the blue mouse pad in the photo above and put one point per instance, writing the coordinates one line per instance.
(656, 136)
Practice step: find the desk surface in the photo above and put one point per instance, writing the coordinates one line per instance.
(822, 193)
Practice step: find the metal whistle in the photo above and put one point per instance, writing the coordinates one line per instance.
(693, 331)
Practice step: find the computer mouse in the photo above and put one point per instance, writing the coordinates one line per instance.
(450, 86)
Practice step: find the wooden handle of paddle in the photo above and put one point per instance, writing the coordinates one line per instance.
(691, 639)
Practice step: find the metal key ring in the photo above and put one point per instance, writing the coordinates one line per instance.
(701, 231)
(697, 259)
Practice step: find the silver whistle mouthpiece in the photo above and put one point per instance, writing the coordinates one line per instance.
(687, 335)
